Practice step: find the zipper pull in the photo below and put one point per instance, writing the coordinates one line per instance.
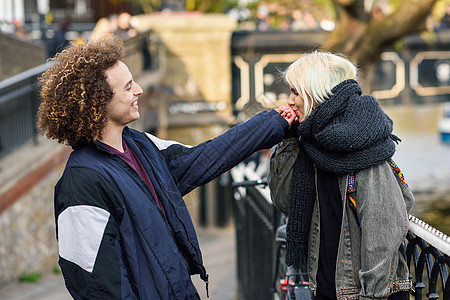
(207, 284)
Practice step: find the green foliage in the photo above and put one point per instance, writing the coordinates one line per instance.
(399, 44)
(283, 8)
(436, 214)
(30, 277)
(280, 11)
(210, 6)
(147, 6)
(328, 7)
(395, 3)
(57, 270)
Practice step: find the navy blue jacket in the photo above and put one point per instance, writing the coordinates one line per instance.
(114, 242)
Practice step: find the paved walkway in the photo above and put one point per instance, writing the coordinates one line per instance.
(219, 255)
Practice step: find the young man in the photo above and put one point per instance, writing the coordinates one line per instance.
(123, 229)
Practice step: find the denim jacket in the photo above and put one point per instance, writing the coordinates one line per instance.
(371, 261)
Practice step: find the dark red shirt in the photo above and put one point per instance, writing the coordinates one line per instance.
(130, 158)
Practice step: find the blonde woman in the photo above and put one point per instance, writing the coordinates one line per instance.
(346, 200)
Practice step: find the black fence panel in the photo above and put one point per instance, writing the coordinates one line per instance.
(254, 239)
(429, 266)
(19, 101)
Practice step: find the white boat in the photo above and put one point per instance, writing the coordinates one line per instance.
(444, 124)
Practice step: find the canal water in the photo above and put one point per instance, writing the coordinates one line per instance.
(424, 160)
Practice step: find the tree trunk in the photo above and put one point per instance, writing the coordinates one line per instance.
(363, 39)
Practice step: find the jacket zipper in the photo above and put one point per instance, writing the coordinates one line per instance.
(121, 161)
(176, 213)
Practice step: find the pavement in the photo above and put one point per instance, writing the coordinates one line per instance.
(219, 256)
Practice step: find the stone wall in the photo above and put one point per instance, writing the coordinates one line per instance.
(194, 95)
(28, 226)
(18, 55)
(27, 223)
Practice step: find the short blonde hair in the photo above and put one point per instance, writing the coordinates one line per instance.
(315, 74)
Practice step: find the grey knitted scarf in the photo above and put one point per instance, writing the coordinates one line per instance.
(345, 134)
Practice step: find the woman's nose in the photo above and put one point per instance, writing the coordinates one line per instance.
(291, 101)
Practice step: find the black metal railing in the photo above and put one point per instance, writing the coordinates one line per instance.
(19, 95)
(18, 109)
(256, 221)
(428, 252)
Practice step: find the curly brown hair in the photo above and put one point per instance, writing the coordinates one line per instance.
(75, 91)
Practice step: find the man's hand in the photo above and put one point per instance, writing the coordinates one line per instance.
(288, 114)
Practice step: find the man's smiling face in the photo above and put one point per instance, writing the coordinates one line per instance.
(123, 107)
